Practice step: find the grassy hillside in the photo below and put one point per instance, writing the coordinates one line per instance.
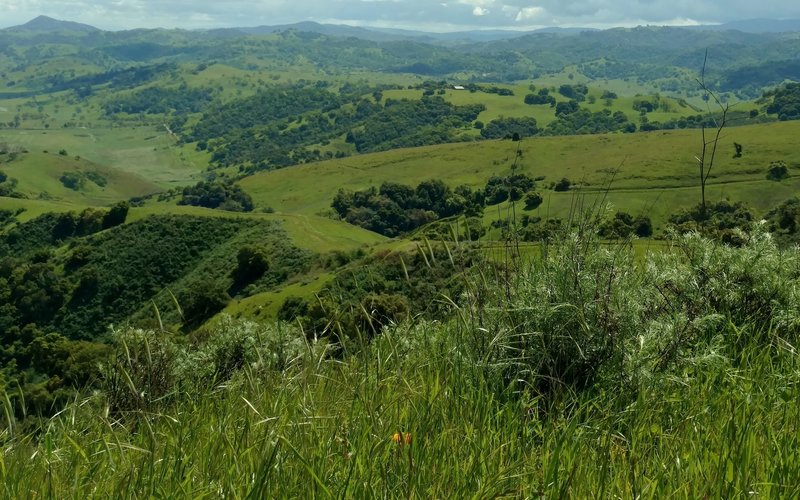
(654, 172)
(145, 152)
(640, 381)
(47, 175)
(151, 348)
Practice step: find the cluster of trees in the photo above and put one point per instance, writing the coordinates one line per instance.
(54, 228)
(394, 209)
(489, 89)
(583, 121)
(60, 289)
(269, 105)
(217, 194)
(571, 119)
(161, 100)
(510, 128)
(541, 97)
(748, 81)
(576, 92)
(287, 141)
(76, 180)
(785, 102)
(720, 220)
(277, 127)
(406, 123)
(121, 78)
(623, 225)
(511, 187)
(8, 186)
(650, 104)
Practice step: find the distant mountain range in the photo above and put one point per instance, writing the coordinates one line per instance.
(44, 24)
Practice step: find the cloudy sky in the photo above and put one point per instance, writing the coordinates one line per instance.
(430, 15)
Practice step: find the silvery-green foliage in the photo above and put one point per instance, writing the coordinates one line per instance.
(566, 316)
(585, 312)
(233, 344)
(708, 293)
(755, 283)
(149, 366)
(142, 371)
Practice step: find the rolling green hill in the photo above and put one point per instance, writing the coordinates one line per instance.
(184, 313)
(652, 172)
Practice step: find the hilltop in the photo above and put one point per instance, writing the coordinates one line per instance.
(45, 24)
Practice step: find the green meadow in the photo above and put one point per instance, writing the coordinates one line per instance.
(653, 173)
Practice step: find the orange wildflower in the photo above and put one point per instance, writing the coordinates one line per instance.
(402, 438)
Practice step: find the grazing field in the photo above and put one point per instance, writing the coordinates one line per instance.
(146, 152)
(653, 172)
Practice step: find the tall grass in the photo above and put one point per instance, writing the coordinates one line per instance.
(594, 377)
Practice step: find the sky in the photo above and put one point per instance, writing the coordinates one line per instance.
(426, 15)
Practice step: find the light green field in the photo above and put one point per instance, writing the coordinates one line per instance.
(498, 106)
(308, 231)
(265, 305)
(146, 152)
(39, 173)
(34, 208)
(656, 171)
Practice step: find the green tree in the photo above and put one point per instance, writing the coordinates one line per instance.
(253, 262)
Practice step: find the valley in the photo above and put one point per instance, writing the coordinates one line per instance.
(496, 242)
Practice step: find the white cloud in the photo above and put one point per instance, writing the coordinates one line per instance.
(529, 13)
(456, 14)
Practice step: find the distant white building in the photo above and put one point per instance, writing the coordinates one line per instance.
(458, 87)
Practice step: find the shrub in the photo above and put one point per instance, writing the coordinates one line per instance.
(533, 200)
(563, 185)
(142, 370)
(252, 263)
(784, 220)
(585, 315)
(777, 171)
(73, 180)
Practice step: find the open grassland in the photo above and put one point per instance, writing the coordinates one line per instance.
(498, 106)
(264, 306)
(31, 209)
(146, 152)
(308, 231)
(651, 172)
(39, 176)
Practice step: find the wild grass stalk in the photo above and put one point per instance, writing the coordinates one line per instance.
(558, 389)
